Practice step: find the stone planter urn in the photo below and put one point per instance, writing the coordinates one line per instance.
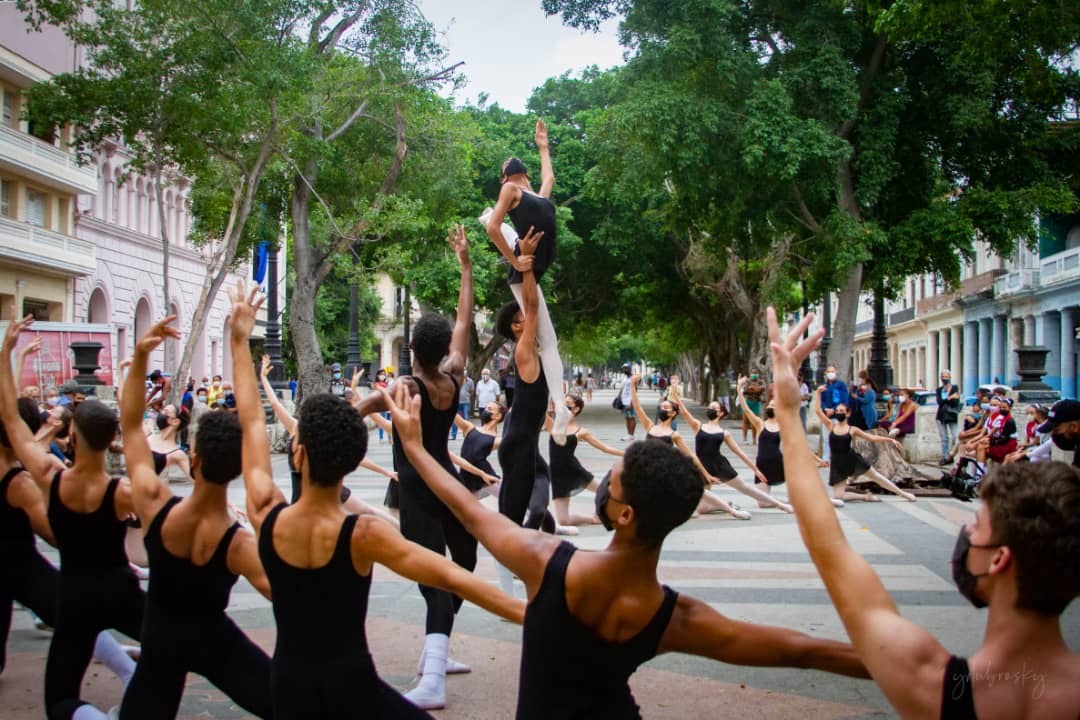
(86, 362)
(1031, 366)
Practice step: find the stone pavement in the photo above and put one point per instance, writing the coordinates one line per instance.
(757, 571)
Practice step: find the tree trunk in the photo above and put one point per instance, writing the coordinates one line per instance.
(169, 348)
(309, 359)
(480, 355)
(847, 306)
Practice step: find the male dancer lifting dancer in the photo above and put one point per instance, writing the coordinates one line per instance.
(532, 211)
(439, 355)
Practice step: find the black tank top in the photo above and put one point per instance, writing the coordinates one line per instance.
(564, 459)
(957, 698)
(840, 444)
(320, 612)
(88, 542)
(179, 585)
(527, 415)
(538, 213)
(14, 524)
(707, 447)
(557, 650)
(475, 448)
(768, 445)
(435, 428)
(660, 438)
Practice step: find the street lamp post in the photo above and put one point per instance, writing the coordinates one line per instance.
(353, 361)
(404, 354)
(879, 369)
(823, 351)
(272, 343)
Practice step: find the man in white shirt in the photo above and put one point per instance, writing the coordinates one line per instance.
(487, 390)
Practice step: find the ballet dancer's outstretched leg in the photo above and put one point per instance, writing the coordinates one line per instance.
(710, 503)
(764, 499)
(888, 484)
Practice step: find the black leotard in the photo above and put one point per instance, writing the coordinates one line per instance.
(660, 438)
(844, 462)
(322, 667)
(519, 446)
(186, 630)
(25, 575)
(568, 475)
(708, 448)
(161, 460)
(475, 448)
(957, 698)
(770, 461)
(424, 519)
(556, 647)
(98, 591)
(538, 213)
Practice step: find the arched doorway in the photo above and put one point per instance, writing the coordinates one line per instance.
(97, 310)
(143, 318)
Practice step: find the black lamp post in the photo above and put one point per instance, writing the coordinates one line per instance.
(823, 351)
(804, 369)
(879, 369)
(272, 344)
(404, 354)
(353, 361)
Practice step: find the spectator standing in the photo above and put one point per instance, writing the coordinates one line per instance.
(465, 394)
(948, 413)
(835, 393)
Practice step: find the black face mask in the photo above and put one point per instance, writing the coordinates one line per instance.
(840, 417)
(965, 579)
(711, 414)
(603, 494)
(485, 416)
(664, 415)
(770, 413)
(1063, 441)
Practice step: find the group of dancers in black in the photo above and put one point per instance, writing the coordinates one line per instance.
(591, 618)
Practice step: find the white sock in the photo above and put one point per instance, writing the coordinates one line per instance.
(430, 692)
(550, 360)
(113, 656)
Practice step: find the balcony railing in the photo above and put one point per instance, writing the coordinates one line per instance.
(1016, 282)
(48, 165)
(1060, 267)
(28, 244)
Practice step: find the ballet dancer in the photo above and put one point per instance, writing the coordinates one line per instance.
(1008, 558)
(845, 464)
(477, 444)
(532, 211)
(87, 513)
(605, 610)
(661, 431)
(197, 550)
(709, 438)
(319, 558)
(568, 475)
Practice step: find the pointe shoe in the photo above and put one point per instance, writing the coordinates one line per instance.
(740, 514)
(562, 420)
(566, 530)
(786, 508)
(837, 502)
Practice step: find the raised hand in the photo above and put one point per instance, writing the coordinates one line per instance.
(740, 382)
(265, 367)
(541, 135)
(459, 243)
(32, 348)
(245, 306)
(355, 382)
(527, 245)
(158, 333)
(788, 354)
(11, 337)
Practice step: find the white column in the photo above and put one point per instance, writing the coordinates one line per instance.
(1029, 330)
(956, 355)
(943, 353)
(1068, 353)
(1014, 337)
(930, 374)
(997, 352)
(985, 333)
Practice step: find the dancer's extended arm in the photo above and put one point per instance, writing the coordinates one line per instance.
(525, 552)
(262, 493)
(148, 491)
(698, 629)
(886, 641)
(750, 415)
(547, 171)
(863, 435)
(825, 420)
(20, 363)
(525, 355)
(243, 559)
(287, 421)
(378, 469)
(588, 437)
(33, 457)
(642, 417)
(734, 447)
(470, 468)
(454, 364)
(677, 440)
(693, 422)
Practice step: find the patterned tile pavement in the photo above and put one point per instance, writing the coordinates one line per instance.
(756, 571)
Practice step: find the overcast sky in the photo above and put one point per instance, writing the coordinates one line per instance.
(509, 47)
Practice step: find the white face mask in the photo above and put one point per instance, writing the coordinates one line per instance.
(903, 398)
(830, 376)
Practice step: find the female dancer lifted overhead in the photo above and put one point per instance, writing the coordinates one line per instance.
(531, 211)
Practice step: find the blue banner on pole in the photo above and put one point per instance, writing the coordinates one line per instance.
(262, 257)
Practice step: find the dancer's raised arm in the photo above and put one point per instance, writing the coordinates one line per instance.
(454, 364)
(148, 490)
(885, 640)
(642, 416)
(33, 457)
(20, 363)
(262, 493)
(523, 551)
(692, 421)
(287, 421)
(750, 414)
(547, 171)
(588, 437)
